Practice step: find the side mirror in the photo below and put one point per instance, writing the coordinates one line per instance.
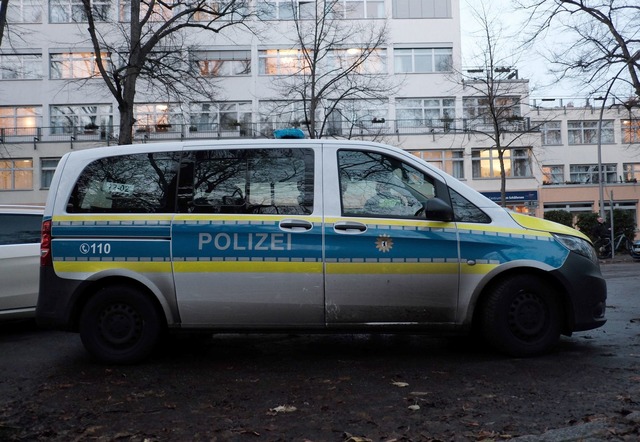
(437, 210)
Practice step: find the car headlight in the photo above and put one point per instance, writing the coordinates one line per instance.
(578, 245)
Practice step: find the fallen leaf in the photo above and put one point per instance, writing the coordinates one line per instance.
(350, 438)
(283, 409)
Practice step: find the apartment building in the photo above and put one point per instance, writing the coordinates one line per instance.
(591, 154)
(52, 101)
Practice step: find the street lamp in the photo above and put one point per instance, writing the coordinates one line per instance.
(633, 58)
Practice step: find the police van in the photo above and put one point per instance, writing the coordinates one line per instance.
(298, 235)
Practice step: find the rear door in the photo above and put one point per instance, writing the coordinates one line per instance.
(19, 260)
(386, 264)
(247, 247)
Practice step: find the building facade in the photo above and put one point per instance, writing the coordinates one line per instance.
(52, 101)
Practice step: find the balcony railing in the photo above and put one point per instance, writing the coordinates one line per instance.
(340, 129)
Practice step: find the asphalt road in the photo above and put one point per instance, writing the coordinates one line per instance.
(329, 388)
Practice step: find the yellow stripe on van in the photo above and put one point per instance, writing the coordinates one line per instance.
(356, 268)
(236, 218)
(505, 230)
(428, 268)
(114, 217)
(99, 266)
(247, 267)
(477, 269)
(392, 222)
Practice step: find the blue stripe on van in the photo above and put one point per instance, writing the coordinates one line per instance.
(112, 228)
(111, 250)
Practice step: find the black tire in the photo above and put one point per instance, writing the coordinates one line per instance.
(522, 316)
(120, 325)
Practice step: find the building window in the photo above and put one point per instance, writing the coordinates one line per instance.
(16, 174)
(451, 161)
(286, 9)
(373, 61)
(282, 62)
(575, 208)
(221, 117)
(20, 66)
(279, 114)
(631, 172)
(553, 174)
(357, 117)
(588, 173)
(631, 131)
(485, 163)
(435, 113)
(350, 9)
(20, 120)
(162, 11)
(158, 118)
(230, 10)
(69, 65)
(422, 60)
(222, 63)
(422, 9)
(80, 118)
(24, 11)
(551, 132)
(478, 114)
(68, 11)
(47, 168)
(586, 132)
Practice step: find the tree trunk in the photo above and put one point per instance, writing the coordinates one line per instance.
(503, 179)
(4, 5)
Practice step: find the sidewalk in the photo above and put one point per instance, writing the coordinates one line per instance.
(622, 257)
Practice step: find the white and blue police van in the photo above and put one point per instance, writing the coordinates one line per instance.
(299, 235)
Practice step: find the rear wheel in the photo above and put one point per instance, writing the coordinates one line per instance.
(120, 324)
(522, 316)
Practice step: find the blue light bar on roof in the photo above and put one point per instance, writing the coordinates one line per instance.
(293, 133)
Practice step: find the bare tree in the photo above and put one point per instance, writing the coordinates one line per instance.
(494, 98)
(4, 6)
(604, 38)
(149, 47)
(339, 62)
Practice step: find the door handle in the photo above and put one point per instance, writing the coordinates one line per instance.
(297, 225)
(350, 227)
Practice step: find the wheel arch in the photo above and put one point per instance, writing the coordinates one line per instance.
(94, 286)
(493, 279)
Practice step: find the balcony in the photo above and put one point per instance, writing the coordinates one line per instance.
(334, 129)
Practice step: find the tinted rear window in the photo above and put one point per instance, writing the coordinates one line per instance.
(19, 229)
(141, 183)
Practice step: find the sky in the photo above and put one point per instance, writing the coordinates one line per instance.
(532, 67)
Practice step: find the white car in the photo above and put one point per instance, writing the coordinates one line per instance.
(19, 260)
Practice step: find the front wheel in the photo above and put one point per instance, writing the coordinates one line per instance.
(522, 316)
(120, 325)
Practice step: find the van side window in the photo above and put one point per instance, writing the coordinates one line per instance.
(243, 181)
(373, 184)
(465, 211)
(140, 183)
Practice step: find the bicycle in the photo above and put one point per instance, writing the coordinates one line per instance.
(603, 245)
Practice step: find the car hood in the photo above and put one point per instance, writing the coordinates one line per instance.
(533, 223)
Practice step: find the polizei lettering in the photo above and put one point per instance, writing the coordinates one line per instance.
(245, 241)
